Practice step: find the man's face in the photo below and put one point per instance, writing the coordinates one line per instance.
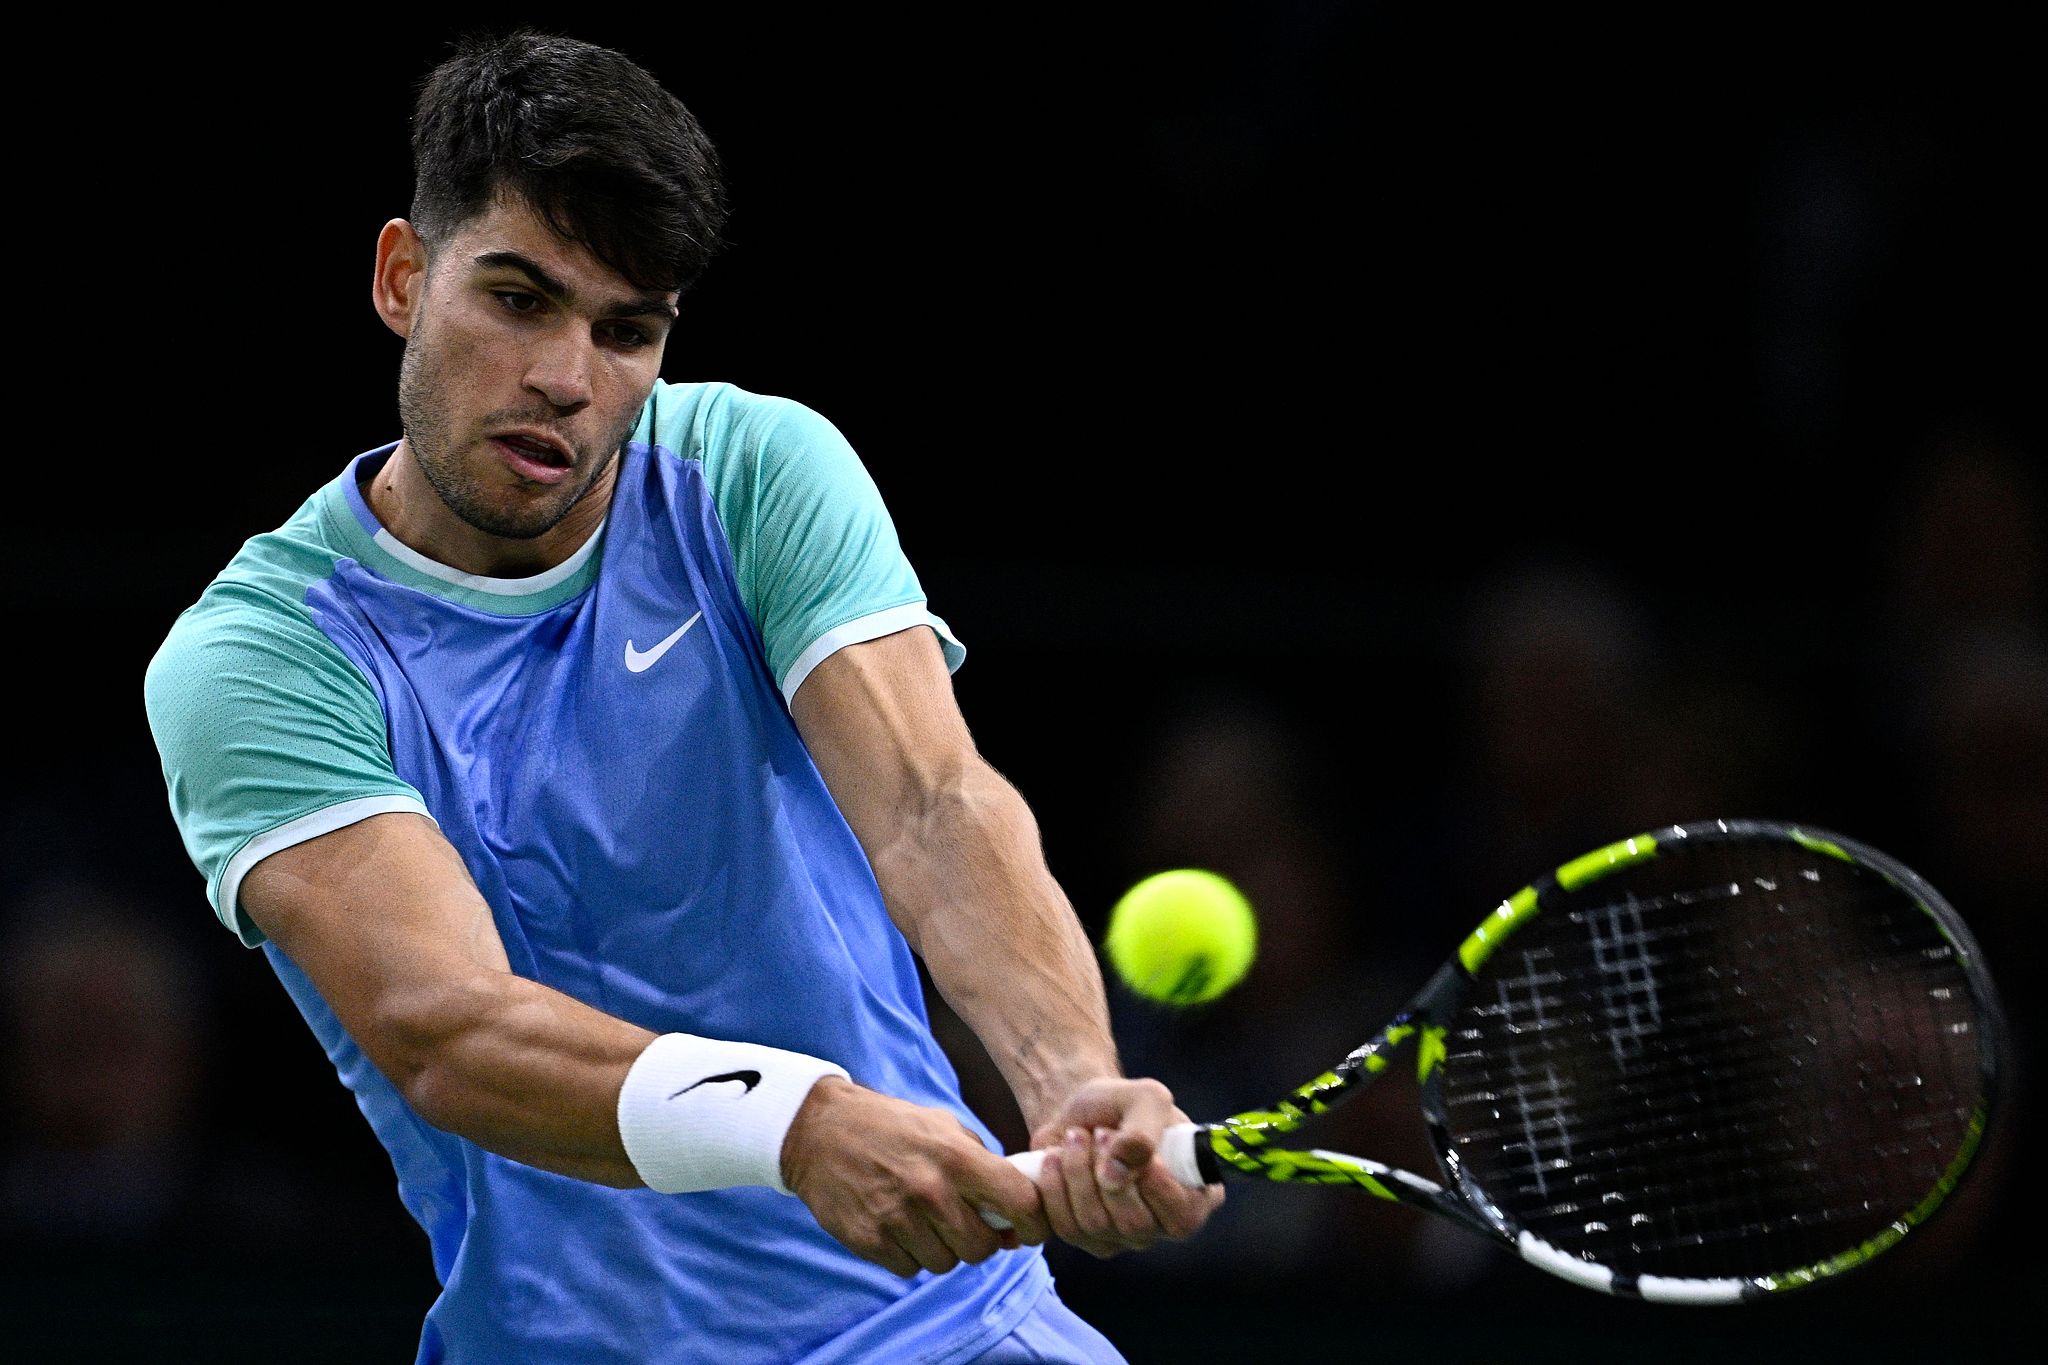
(526, 366)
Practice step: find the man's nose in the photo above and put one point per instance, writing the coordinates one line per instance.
(561, 370)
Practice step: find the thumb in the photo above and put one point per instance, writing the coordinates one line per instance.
(1130, 1150)
(1129, 1145)
(999, 1186)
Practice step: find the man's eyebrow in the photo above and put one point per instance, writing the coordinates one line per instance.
(640, 305)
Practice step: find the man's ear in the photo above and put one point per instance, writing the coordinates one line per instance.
(401, 276)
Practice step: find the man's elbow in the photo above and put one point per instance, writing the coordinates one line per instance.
(419, 1038)
(979, 806)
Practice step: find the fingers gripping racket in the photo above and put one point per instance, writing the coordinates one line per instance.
(1702, 1065)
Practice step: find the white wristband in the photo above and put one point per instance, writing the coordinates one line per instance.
(704, 1114)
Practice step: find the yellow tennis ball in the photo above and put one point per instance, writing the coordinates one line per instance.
(1181, 937)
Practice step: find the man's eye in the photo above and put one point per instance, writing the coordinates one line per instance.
(624, 336)
(516, 300)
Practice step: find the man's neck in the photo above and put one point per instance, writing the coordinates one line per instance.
(407, 505)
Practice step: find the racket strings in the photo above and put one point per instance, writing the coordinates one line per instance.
(1740, 1167)
(1609, 1151)
(1726, 1049)
(1699, 1032)
(1706, 1060)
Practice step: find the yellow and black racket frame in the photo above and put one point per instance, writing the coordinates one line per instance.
(1242, 1146)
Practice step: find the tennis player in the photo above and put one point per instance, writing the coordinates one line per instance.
(587, 766)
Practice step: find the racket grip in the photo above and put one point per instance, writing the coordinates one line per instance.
(1176, 1149)
(1031, 1163)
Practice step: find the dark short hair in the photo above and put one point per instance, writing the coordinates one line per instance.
(602, 154)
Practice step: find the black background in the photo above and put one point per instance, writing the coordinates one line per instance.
(1213, 361)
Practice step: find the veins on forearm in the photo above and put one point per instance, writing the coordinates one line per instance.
(967, 882)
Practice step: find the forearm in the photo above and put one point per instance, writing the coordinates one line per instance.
(519, 1069)
(965, 877)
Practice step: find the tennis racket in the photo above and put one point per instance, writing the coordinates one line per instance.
(1704, 1065)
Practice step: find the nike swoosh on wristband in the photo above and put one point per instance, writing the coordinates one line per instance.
(749, 1079)
(637, 662)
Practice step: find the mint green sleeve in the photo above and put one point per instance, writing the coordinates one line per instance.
(269, 736)
(814, 549)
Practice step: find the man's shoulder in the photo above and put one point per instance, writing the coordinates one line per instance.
(712, 421)
(713, 399)
(249, 644)
(267, 578)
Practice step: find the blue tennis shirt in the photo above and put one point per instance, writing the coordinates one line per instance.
(609, 747)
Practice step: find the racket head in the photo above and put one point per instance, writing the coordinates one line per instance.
(1717, 1061)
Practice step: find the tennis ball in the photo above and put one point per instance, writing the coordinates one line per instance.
(1181, 937)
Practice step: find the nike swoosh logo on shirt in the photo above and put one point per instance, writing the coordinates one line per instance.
(637, 662)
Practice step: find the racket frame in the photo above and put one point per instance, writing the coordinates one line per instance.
(1242, 1146)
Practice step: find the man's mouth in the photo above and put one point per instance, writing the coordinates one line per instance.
(534, 457)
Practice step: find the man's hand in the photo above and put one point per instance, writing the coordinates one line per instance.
(1105, 1189)
(902, 1185)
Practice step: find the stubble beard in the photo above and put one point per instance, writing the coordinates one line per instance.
(427, 429)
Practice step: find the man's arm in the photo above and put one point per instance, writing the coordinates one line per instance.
(956, 852)
(384, 919)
